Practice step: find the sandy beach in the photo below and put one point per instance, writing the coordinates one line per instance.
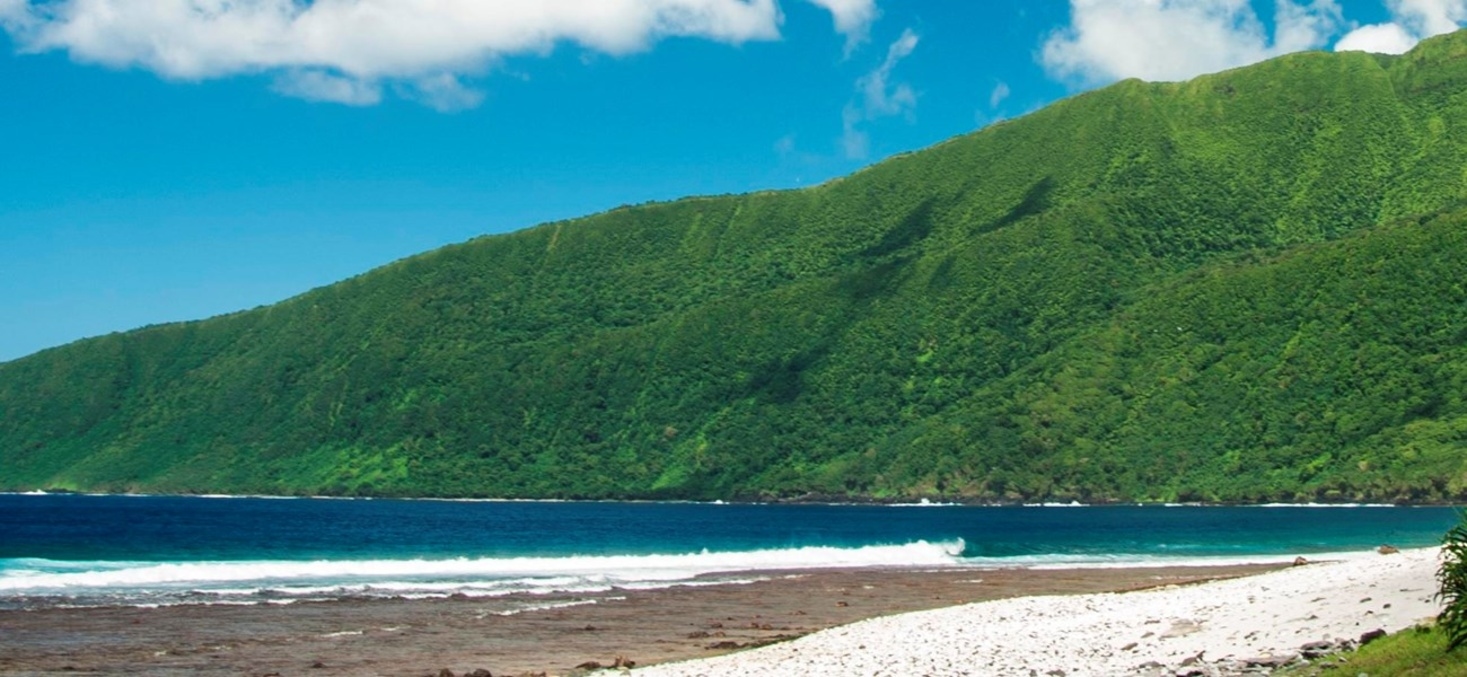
(519, 635)
(1242, 625)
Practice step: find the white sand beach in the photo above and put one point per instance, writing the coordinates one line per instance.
(1151, 632)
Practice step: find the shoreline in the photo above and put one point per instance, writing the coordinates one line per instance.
(422, 637)
(904, 502)
(1235, 626)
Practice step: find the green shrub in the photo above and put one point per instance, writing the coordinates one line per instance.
(1453, 591)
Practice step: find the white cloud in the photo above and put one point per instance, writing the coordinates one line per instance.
(853, 18)
(342, 50)
(1429, 17)
(444, 93)
(1387, 38)
(881, 98)
(14, 15)
(878, 97)
(320, 86)
(1178, 39)
(1000, 93)
(1411, 22)
(854, 142)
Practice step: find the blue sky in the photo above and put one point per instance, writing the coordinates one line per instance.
(169, 160)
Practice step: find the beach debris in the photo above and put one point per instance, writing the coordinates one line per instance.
(698, 634)
(589, 665)
(1193, 660)
(1129, 647)
(1388, 550)
(842, 603)
(1372, 636)
(445, 672)
(1300, 561)
(481, 672)
(317, 665)
(623, 662)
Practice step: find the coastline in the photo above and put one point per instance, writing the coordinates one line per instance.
(809, 499)
(423, 637)
(1245, 625)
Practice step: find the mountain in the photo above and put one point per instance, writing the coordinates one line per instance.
(1246, 287)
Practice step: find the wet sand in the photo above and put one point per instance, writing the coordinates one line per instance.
(424, 637)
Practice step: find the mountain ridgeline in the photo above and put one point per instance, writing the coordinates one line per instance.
(1247, 287)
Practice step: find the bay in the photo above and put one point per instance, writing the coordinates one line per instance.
(79, 550)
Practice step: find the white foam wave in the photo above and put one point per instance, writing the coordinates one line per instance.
(416, 573)
(924, 503)
(544, 607)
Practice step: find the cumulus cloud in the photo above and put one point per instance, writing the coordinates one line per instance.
(853, 18)
(1411, 22)
(1178, 39)
(344, 50)
(878, 97)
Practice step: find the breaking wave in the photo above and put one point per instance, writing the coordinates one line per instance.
(91, 583)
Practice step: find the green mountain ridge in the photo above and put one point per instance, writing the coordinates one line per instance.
(1245, 287)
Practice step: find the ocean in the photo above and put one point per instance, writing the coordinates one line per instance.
(83, 551)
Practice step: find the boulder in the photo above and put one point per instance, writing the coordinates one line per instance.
(1319, 649)
(1371, 636)
(1388, 550)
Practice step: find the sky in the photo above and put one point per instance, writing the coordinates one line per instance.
(168, 160)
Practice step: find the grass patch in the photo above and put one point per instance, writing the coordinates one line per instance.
(1418, 652)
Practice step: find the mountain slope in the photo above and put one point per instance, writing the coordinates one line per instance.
(1235, 288)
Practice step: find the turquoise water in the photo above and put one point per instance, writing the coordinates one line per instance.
(100, 550)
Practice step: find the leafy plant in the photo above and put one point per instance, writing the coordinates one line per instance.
(1452, 576)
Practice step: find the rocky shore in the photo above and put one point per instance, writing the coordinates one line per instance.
(1249, 625)
(556, 634)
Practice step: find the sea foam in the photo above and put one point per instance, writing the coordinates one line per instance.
(438, 575)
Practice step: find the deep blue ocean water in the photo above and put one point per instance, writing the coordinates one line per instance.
(97, 550)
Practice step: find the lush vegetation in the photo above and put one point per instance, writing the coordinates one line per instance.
(1244, 287)
(1452, 586)
(1418, 652)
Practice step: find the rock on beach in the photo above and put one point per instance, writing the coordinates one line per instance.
(1262, 620)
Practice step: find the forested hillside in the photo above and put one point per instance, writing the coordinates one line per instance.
(1246, 287)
